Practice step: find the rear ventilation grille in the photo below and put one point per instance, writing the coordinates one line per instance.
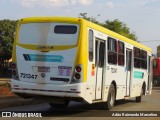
(59, 79)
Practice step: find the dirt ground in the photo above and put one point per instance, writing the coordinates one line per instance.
(5, 90)
(9, 99)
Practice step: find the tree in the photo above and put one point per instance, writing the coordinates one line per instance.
(7, 29)
(119, 27)
(92, 19)
(115, 25)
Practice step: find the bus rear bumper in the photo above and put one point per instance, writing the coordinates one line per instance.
(67, 90)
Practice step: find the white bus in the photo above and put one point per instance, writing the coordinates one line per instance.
(73, 59)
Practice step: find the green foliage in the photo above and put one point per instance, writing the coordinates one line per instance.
(7, 29)
(92, 19)
(115, 25)
(120, 28)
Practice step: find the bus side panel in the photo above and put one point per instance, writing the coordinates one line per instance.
(121, 82)
(116, 74)
(139, 77)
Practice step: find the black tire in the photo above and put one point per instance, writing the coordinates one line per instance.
(60, 106)
(111, 97)
(139, 98)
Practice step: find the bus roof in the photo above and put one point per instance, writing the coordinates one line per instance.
(87, 23)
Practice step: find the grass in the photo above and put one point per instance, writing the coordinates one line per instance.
(8, 85)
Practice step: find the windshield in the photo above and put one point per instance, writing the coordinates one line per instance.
(48, 34)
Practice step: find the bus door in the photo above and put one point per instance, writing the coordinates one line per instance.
(149, 74)
(128, 70)
(100, 56)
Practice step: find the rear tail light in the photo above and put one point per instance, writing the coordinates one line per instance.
(14, 66)
(14, 71)
(78, 69)
(77, 75)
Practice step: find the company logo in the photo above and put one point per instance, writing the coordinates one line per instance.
(43, 75)
(21, 115)
(43, 58)
(6, 114)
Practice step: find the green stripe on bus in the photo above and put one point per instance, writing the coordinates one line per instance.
(138, 74)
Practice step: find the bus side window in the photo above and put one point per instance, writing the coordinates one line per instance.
(112, 51)
(143, 59)
(101, 54)
(96, 47)
(136, 57)
(120, 49)
(90, 39)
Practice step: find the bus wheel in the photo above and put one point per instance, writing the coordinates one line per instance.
(111, 97)
(59, 106)
(139, 98)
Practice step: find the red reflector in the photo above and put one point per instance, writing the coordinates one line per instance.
(73, 89)
(17, 88)
(93, 72)
(78, 69)
(16, 85)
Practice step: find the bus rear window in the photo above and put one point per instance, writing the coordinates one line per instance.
(65, 29)
(48, 33)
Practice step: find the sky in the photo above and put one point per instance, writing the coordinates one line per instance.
(141, 16)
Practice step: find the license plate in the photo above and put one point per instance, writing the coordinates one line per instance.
(64, 71)
(43, 69)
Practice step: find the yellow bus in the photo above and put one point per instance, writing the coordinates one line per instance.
(73, 59)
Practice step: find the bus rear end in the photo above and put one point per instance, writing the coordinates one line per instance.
(45, 58)
(156, 71)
